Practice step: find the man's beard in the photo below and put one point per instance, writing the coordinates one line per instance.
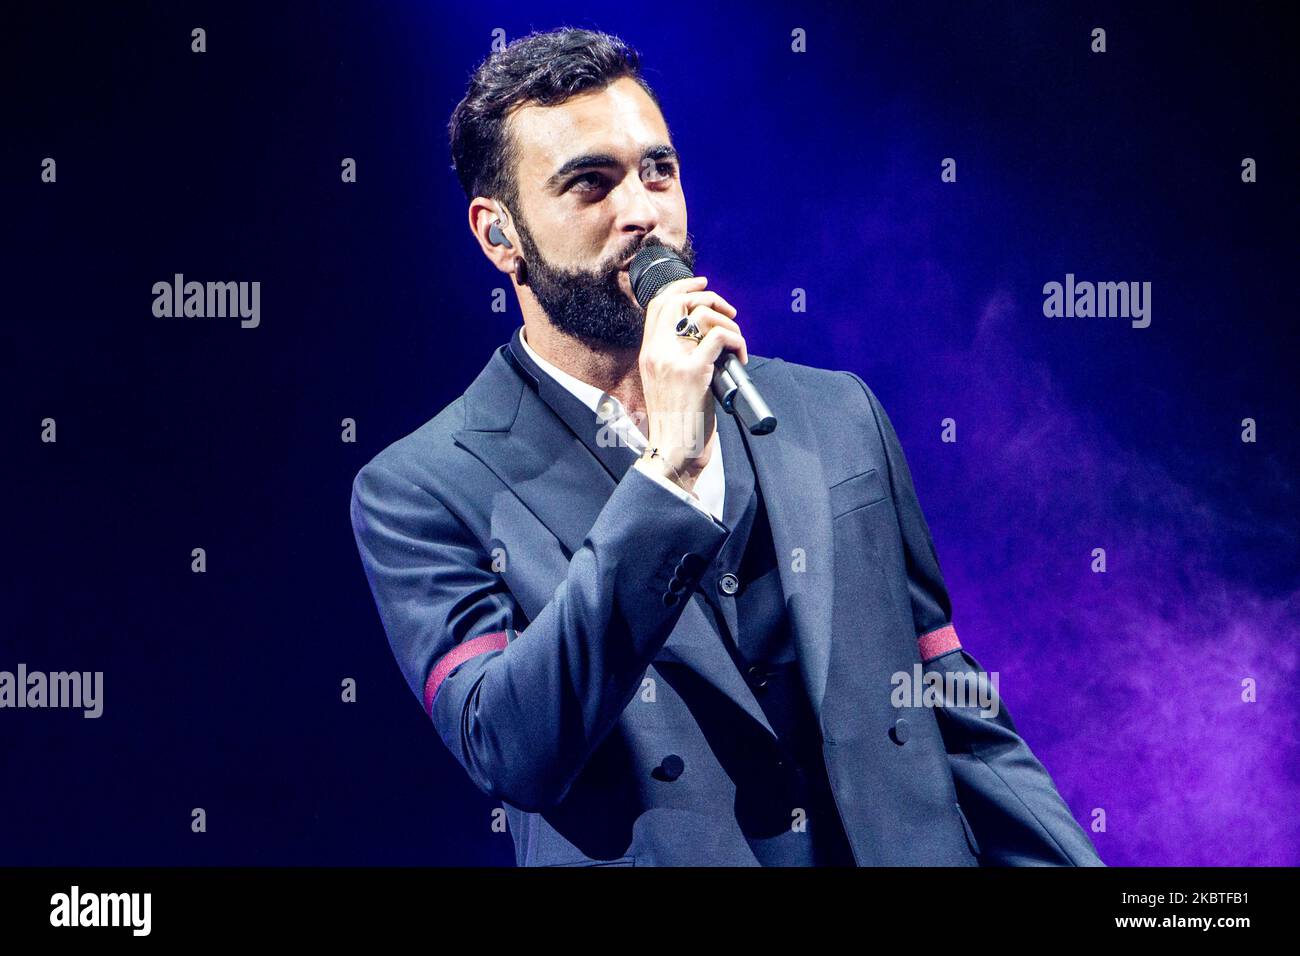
(591, 306)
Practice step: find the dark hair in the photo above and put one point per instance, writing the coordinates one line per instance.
(542, 68)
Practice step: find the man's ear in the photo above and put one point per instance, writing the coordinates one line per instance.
(493, 231)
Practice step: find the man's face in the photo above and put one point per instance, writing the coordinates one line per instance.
(598, 179)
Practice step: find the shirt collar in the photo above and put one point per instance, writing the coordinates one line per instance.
(605, 405)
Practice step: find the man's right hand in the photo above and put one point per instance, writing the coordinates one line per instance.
(677, 373)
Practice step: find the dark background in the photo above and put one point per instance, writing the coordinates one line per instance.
(818, 171)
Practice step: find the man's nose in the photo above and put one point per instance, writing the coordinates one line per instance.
(637, 211)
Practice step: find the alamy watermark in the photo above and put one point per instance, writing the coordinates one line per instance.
(617, 427)
(75, 908)
(79, 689)
(1103, 300)
(937, 688)
(208, 300)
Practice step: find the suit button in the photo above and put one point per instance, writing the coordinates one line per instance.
(676, 585)
(728, 583)
(902, 730)
(669, 769)
(691, 564)
(670, 599)
(757, 677)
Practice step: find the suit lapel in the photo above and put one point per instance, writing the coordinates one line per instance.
(790, 476)
(544, 470)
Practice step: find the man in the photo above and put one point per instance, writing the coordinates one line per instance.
(674, 644)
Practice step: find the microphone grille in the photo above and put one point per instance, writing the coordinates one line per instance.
(652, 268)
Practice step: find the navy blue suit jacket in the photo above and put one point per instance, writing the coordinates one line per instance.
(535, 606)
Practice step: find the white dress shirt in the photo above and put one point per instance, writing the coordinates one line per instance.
(710, 486)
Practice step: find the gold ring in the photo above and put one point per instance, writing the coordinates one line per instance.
(688, 329)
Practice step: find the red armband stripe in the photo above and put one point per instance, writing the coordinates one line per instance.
(939, 641)
(457, 656)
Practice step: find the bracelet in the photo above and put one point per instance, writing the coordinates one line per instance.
(653, 452)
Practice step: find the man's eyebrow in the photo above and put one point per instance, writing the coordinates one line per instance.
(659, 151)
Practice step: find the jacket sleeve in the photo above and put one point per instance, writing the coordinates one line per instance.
(523, 707)
(1006, 795)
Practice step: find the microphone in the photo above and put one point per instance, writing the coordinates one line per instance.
(652, 268)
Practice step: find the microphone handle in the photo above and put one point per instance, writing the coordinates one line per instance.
(738, 396)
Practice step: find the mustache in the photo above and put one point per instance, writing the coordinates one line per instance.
(685, 250)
